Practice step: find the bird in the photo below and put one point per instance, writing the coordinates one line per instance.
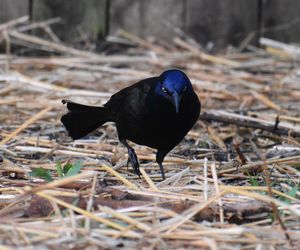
(156, 112)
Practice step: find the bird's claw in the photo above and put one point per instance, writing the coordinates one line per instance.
(134, 161)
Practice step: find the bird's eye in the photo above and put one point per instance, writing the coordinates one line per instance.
(164, 90)
(184, 89)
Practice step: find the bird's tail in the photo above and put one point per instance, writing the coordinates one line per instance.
(83, 119)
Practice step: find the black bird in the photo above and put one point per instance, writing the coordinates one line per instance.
(157, 112)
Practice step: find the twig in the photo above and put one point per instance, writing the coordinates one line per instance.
(13, 23)
(148, 180)
(270, 192)
(215, 178)
(249, 122)
(90, 202)
(121, 178)
(188, 214)
(55, 46)
(25, 125)
(204, 56)
(38, 24)
(205, 183)
(265, 100)
(292, 51)
(240, 154)
(140, 41)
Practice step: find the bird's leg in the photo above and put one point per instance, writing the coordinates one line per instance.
(161, 167)
(132, 158)
(160, 155)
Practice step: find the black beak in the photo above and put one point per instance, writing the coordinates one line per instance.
(176, 100)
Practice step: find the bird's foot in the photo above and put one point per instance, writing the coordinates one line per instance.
(134, 161)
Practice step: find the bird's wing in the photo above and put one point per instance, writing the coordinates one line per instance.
(130, 96)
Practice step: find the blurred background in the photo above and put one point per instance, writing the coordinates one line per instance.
(214, 24)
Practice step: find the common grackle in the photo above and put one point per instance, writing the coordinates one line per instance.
(157, 112)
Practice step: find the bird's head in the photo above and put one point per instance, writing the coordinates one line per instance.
(173, 84)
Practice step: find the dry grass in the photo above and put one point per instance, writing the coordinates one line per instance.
(215, 195)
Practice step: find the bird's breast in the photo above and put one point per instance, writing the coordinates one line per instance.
(162, 127)
(155, 123)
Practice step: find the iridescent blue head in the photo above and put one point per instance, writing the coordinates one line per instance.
(173, 84)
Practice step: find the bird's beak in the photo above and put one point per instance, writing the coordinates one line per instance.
(176, 100)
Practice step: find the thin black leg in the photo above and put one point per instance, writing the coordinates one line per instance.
(132, 158)
(160, 155)
(161, 167)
